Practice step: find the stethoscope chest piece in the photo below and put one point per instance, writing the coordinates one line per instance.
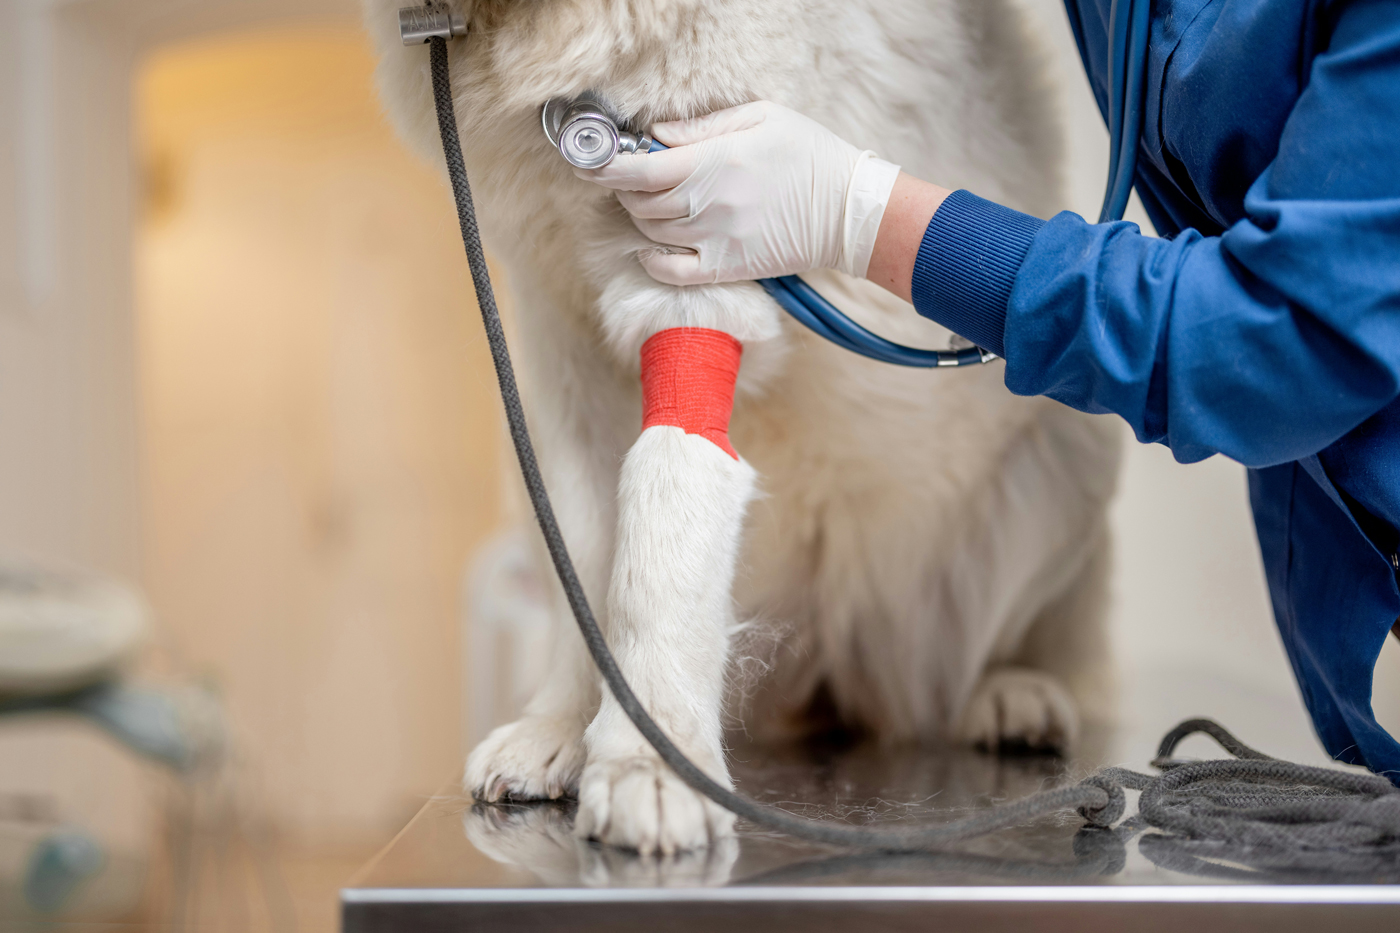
(586, 131)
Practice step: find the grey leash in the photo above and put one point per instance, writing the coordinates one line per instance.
(1253, 799)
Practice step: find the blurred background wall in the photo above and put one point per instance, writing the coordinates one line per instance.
(240, 367)
(318, 422)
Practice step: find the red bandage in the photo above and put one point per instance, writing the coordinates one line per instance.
(688, 376)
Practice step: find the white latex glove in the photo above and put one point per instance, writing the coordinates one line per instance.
(751, 192)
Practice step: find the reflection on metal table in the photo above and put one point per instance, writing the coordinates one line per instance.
(461, 865)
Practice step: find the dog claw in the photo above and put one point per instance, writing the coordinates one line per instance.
(530, 759)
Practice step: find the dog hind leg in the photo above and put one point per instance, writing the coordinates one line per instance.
(1070, 638)
(1054, 671)
(1060, 676)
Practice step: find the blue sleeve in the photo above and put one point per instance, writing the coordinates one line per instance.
(1266, 343)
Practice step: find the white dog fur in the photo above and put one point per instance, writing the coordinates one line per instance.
(932, 549)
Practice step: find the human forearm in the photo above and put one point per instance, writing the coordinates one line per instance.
(911, 207)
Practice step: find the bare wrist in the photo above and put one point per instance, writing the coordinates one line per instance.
(911, 206)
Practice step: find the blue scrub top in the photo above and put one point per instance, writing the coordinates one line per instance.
(1264, 324)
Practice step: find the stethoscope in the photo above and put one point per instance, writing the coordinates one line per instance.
(589, 134)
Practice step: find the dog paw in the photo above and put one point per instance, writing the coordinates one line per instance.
(534, 758)
(1016, 710)
(638, 803)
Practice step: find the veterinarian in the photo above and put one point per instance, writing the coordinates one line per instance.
(1264, 325)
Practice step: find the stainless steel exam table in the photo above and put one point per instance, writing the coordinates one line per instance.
(463, 866)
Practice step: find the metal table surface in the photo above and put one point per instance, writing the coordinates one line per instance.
(461, 865)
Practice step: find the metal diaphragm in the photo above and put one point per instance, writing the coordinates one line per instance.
(588, 140)
(586, 131)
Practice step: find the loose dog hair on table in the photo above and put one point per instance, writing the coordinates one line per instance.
(935, 546)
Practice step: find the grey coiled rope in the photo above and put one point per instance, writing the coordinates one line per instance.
(1254, 800)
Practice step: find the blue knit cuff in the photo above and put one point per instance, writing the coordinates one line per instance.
(967, 264)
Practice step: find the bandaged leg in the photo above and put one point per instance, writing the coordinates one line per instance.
(681, 502)
(688, 376)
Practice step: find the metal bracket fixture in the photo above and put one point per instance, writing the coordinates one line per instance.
(418, 24)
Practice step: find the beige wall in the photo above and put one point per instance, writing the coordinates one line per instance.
(319, 427)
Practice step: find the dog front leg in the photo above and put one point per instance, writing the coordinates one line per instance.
(681, 501)
(581, 427)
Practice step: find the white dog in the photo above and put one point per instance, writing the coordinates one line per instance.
(933, 547)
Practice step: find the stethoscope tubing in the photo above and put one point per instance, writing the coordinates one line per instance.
(823, 318)
(808, 306)
(1129, 24)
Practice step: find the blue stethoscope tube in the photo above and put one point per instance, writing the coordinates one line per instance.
(805, 304)
(1127, 73)
(1128, 28)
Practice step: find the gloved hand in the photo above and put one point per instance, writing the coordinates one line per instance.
(751, 192)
